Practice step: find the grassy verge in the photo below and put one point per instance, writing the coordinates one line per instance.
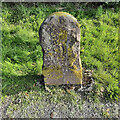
(21, 52)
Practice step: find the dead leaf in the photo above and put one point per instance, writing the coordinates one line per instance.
(68, 90)
(26, 94)
(51, 115)
(33, 85)
(108, 114)
(108, 110)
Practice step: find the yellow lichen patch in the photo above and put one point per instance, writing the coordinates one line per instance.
(52, 34)
(62, 38)
(71, 61)
(53, 73)
(60, 13)
(50, 53)
(68, 82)
(78, 73)
(63, 35)
(56, 50)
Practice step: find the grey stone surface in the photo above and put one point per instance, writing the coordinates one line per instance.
(60, 41)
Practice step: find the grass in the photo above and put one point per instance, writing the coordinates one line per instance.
(22, 55)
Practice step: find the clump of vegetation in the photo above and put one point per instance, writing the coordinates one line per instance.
(22, 54)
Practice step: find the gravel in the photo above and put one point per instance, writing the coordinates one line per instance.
(43, 106)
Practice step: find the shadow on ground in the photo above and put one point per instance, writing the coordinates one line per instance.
(18, 84)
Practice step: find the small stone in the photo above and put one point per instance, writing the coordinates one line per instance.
(102, 89)
(53, 115)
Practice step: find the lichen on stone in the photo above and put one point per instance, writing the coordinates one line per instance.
(60, 41)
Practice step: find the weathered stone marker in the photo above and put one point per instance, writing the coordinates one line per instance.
(60, 40)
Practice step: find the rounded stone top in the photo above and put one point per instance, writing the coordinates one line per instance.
(57, 15)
